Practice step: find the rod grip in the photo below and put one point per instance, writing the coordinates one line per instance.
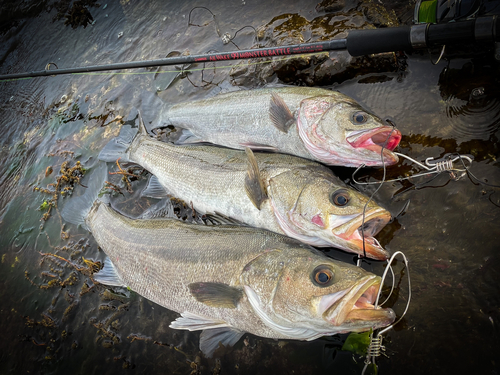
(450, 33)
(366, 42)
(481, 29)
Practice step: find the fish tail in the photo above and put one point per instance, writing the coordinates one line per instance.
(119, 147)
(77, 208)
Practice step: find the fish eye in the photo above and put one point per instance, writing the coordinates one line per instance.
(359, 118)
(339, 198)
(322, 276)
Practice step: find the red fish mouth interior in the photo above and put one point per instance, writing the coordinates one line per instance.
(375, 139)
(385, 136)
(373, 224)
(358, 305)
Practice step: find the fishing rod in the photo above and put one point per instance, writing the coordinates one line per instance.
(481, 30)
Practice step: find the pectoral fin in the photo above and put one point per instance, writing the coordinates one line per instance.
(281, 116)
(254, 186)
(216, 294)
(211, 338)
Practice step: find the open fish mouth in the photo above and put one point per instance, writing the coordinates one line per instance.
(354, 231)
(355, 308)
(374, 139)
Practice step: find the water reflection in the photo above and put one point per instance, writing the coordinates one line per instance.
(471, 95)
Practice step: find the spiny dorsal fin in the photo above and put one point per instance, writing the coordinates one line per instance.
(280, 114)
(216, 294)
(254, 186)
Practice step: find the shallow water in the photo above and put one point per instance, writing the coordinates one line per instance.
(449, 232)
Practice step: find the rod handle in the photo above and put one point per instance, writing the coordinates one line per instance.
(408, 38)
(366, 42)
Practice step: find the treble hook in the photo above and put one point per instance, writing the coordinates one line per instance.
(376, 340)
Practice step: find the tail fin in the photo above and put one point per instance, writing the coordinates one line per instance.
(118, 147)
(78, 207)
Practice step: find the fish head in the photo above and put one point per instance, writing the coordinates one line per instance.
(338, 131)
(317, 208)
(305, 295)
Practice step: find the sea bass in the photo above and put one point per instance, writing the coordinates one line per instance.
(228, 280)
(277, 192)
(313, 123)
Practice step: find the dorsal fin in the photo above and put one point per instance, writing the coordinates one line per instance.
(254, 186)
(281, 116)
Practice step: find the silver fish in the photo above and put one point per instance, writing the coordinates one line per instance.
(228, 280)
(281, 193)
(312, 123)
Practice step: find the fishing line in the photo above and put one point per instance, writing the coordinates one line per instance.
(373, 194)
(204, 83)
(226, 37)
(213, 16)
(376, 346)
(444, 164)
(417, 186)
(470, 174)
(436, 167)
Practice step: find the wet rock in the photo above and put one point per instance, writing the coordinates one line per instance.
(378, 15)
(76, 13)
(330, 6)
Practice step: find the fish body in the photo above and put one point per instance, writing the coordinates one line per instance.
(313, 123)
(277, 192)
(227, 280)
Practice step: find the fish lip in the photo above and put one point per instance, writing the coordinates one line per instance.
(374, 221)
(374, 139)
(357, 304)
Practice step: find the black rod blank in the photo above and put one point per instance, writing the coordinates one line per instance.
(339, 44)
(358, 42)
